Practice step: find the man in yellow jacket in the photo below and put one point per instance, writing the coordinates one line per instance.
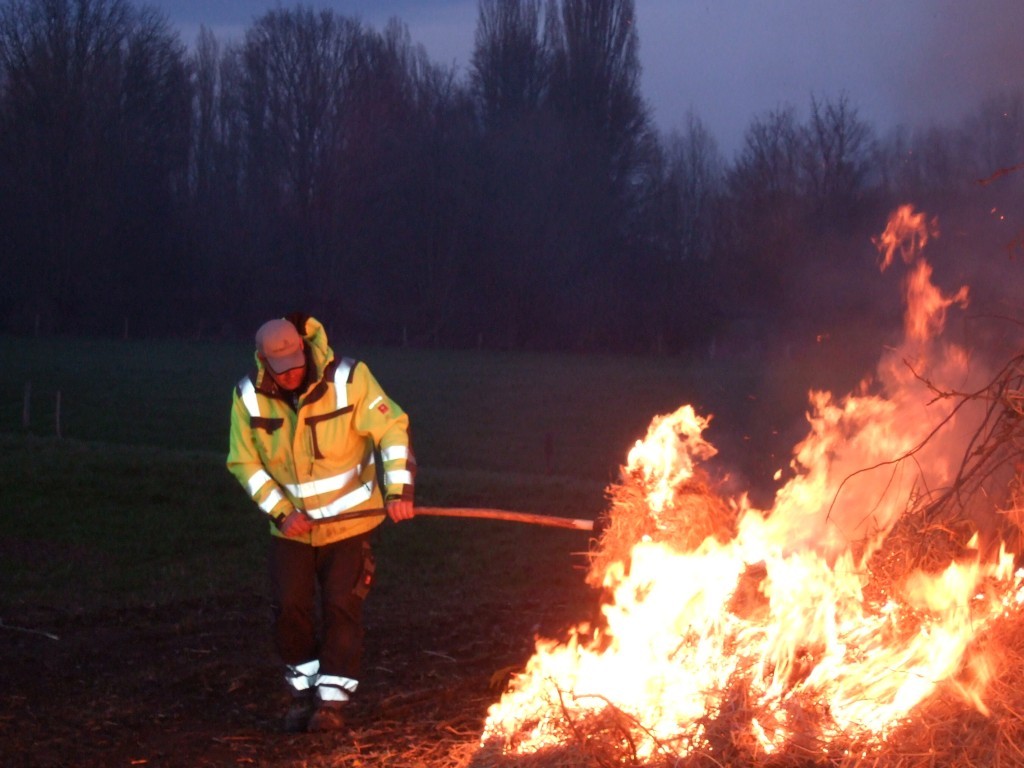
(313, 439)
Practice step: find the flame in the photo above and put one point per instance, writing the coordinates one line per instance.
(663, 477)
(907, 232)
(927, 306)
(779, 630)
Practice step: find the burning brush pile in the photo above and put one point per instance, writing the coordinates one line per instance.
(872, 616)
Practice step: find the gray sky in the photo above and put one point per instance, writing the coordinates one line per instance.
(909, 62)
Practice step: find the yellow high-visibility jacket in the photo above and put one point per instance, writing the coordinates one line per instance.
(318, 453)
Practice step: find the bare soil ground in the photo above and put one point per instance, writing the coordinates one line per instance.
(197, 684)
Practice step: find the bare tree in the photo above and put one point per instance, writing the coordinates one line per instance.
(996, 136)
(206, 64)
(297, 68)
(680, 226)
(695, 177)
(351, 141)
(610, 150)
(520, 160)
(596, 81)
(510, 66)
(765, 202)
(409, 150)
(224, 281)
(767, 168)
(838, 148)
(94, 139)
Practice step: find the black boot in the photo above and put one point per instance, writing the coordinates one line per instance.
(327, 717)
(296, 719)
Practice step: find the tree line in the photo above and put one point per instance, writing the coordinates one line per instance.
(149, 187)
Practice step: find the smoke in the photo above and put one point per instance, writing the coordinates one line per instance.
(965, 52)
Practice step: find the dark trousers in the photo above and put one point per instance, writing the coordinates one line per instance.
(317, 612)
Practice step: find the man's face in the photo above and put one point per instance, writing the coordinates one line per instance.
(289, 380)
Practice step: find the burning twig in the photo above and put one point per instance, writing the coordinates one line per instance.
(997, 444)
(1001, 172)
(622, 722)
(570, 721)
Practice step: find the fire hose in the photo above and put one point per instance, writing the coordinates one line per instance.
(490, 514)
(501, 514)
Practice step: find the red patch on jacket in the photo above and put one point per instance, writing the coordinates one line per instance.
(383, 408)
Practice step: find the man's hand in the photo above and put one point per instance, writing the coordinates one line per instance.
(296, 524)
(399, 510)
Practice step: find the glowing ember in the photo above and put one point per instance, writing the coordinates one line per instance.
(774, 636)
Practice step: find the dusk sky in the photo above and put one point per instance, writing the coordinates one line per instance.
(909, 62)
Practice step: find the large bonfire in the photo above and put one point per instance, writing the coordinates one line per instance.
(866, 618)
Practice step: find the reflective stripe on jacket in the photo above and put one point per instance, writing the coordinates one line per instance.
(319, 455)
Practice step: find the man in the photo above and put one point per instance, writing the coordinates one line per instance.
(313, 437)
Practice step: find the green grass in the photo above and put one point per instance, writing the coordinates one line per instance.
(132, 504)
(94, 523)
(476, 411)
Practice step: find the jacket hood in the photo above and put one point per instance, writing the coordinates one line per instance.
(313, 332)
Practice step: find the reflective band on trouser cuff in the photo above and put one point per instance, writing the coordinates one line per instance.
(398, 477)
(346, 502)
(335, 687)
(302, 677)
(395, 452)
(257, 481)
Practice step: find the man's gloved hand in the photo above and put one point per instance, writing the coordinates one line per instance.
(399, 510)
(296, 524)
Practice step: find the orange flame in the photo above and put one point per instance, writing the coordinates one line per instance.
(926, 315)
(820, 655)
(663, 434)
(907, 232)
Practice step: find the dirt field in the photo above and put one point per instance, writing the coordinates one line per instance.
(197, 685)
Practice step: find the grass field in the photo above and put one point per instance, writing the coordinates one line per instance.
(132, 501)
(470, 410)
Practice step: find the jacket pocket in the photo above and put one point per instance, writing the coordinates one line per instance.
(318, 425)
(267, 425)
